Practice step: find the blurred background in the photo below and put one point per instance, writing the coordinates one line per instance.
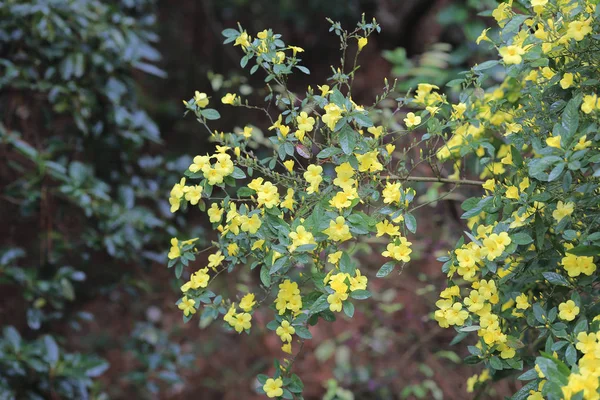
(92, 138)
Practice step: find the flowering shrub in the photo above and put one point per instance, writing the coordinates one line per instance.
(523, 284)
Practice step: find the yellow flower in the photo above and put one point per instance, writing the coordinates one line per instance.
(289, 165)
(582, 143)
(511, 54)
(279, 57)
(589, 103)
(586, 342)
(214, 260)
(553, 141)
(247, 132)
(369, 162)
(193, 194)
(392, 193)
(483, 36)
(242, 40)
(325, 90)
(567, 80)
(300, 237)
(175, 251)
(267, 195)
(412, 120)
(399, 251)
(336, 300)
(375, 131)
(390, 148)
(577, 265)
(285, 331)
(247, 302)
(568, 310)
(512, 193)
(563, 210)
(252, 224)
(579, 29)
(523, 302)
(332, 115)
(313, 177)
(305, 123)
(229, 98)
(215, 213)
(233, 249)
(287, 347)
(386, 228)
(242, 322)
(187, 306)
(296, 49)
(201, 99)
(362, 42)
(334, 258)
(338, 231)
(288, 202)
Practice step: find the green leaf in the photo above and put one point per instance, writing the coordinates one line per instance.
(486, 65)
(495, 363)
(524, 392)
(521, 238)
(277, 265)
(265, 277)
(303, 69)
(347, 138)
(346, 264)
(556, 279)
(319, 305)
(210, 114)
(585, 250)
(571, 355)
(363, 120)
(386, 269)
(52, 352)
(570, 117)
(411, 222)
(329, 152)
(348, 308)
(13, 337)
(360, 294)
(337, 98)
(230, 33)
(478, 208)
(303, 332)
(528, 375)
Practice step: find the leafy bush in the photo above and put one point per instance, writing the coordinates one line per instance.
(525, 283)
(80, 188)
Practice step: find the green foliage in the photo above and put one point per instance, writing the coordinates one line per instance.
(78, 184)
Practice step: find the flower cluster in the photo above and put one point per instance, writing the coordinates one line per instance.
(334, 176)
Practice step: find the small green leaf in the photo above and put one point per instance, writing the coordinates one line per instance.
(52, 352)
(265, 277)
(360, 294)
(411, 222)
(210, 114)
(521, 238)
(303, 332)
(556, 279)
(348, 308)
(386, 269)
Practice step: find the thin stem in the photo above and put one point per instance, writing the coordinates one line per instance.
(435, 179)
